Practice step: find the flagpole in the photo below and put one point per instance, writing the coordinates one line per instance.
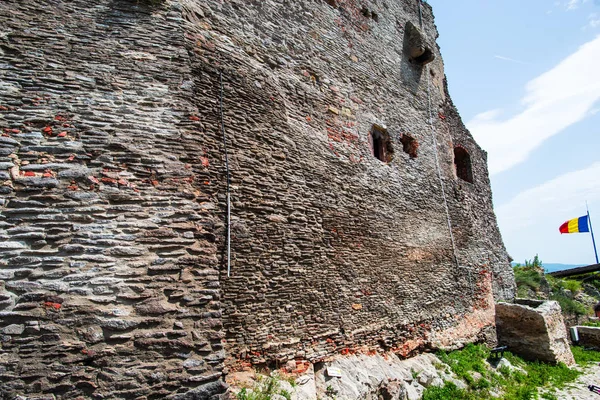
(592, 232)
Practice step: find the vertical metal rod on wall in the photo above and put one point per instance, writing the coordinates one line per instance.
(228, 179)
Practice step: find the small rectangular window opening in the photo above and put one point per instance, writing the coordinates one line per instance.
(378, 146)
(381, 143)
(462, 163)
(409, 145)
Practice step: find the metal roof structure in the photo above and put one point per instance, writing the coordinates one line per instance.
(576, 271)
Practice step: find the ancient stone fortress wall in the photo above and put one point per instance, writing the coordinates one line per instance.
(335, 250)
(113, 276)
(110, 280)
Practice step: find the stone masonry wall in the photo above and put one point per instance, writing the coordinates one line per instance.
(332, 249)
(109, 274)
(113, 182)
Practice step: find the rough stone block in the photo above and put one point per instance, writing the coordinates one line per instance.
(589, 336)
(13, 329)
(534, 329)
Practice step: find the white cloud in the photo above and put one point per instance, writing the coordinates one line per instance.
(556, 199)
(553, 101)
(530, 221)
(593, 21)
(510, 59)
(487, 116)
(574, 4)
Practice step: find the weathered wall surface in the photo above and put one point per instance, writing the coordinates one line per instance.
(332, 248)
(113, 185)
(535, 330)
(109, 278)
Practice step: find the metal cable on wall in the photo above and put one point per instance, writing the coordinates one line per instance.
(439, 169)
(228, 176)
(442, 186)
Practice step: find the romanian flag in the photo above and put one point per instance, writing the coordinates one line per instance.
(575, 225)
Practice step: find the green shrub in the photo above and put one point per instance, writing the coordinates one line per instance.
(573, 286)
(482, 384)
(570, 306)
(448, 391)
(595, 283)
(535, 263)
(558, 284)
(264, 389)
(527, 278)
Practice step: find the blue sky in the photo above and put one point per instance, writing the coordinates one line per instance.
(525, 77)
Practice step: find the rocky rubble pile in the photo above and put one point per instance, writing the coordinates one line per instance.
(364, 377)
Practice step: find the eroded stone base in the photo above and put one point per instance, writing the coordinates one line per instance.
(357, 377)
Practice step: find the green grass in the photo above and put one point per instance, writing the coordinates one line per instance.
(549, 396)
(595, 324)
(583, 356)
(542, 375)
(471, 358)
(512, 385)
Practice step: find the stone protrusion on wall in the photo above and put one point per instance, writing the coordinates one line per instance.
(534, 329)
(416, 45)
